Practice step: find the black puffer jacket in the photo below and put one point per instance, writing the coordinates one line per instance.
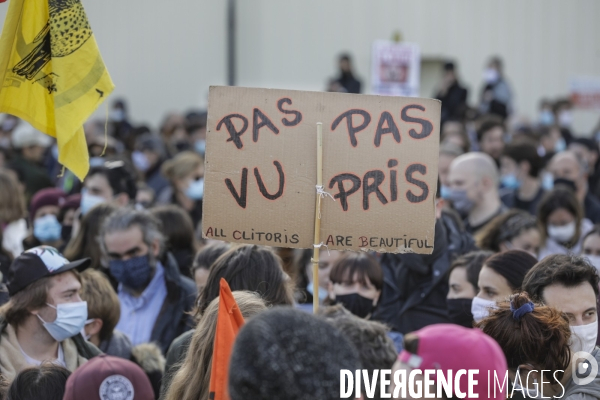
(415, 285)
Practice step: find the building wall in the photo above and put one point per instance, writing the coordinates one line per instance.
(164, 55)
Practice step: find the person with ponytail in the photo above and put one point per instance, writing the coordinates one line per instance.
(500, 276)
(535, 340)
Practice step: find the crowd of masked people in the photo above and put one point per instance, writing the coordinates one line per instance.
(108, 290)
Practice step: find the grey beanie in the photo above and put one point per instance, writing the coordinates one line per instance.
(289, 354)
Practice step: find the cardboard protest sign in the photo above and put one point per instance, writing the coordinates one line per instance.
(395, 68)
(585, 92)
(380, 159)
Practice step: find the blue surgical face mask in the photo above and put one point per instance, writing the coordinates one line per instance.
(547, 181)
(510, 181)
(96, 161)
(70, 319)
(140, 161)
(546, 117)
(47, 228)
(117, 115)
(195, 190)
(445, 192)
(88, 201)
(322, 292)
(461, 202)
(134, 272)
(200, 146)
(560, 145)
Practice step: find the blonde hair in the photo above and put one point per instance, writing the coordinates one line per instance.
(102, 301)
(192, 381)
(12, 202)
(182, 165)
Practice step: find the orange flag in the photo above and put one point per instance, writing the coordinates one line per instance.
(229, 322)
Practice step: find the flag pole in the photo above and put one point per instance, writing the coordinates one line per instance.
(317, 238)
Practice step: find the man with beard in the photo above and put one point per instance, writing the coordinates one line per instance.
(155, 299)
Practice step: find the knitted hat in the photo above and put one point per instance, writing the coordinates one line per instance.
(512, 265)
(46, 197)
(288, 354)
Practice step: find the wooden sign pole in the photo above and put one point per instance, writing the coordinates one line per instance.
(317, 239)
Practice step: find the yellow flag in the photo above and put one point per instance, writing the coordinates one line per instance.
(52, 74)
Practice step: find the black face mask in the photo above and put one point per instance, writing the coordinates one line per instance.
(566, 182)
(459, 312)
(65, 232)
(356, 304)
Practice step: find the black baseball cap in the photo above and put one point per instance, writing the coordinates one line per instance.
(37, 263)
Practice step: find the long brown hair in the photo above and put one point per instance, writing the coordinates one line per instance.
(247, 267)
(540, 337)
(85, 242)
(192, 380)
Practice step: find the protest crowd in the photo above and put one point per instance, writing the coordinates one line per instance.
(109, 291)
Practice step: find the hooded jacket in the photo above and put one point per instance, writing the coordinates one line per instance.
(173, 318)
(76, 350)
(415, 285)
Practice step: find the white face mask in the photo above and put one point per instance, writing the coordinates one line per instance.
(88, 201)
(480, 308)
(562, 233)
(583, 337)
(70, 319)
(594, 260)
(490, 75)
(565, 118)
